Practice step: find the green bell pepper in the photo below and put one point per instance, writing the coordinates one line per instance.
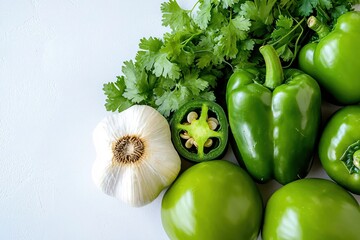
(334, 60)
(199, 130)
(315, 209)
(339, 148)
(274, 123)
(212, 200)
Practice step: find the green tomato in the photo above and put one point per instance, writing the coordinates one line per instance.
(212, 200)
(315, 209)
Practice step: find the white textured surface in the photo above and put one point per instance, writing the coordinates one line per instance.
(54, 58)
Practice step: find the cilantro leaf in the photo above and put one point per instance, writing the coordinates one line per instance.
(204, 59)
(305, 7)
(283, 25)
(338, 11)
(208, 95)
(162, 85)
(193, 83)
(242, 60)
(174, 16)
(288, 4)
(178, 47)
(248, 44)
(151, 44)
(226, 46)
(186, 57)
(285, 52)
(210, 79)
(284, 22)
(242, 26)
(135, 82)
(172, 45)
(282, 38)
(327, 4)
(114, 91)
(229, 3)
(230, 34)
(171, 101)
(260, 12)
(147, 54)
(166, 68)
(205, 56)
(203, 15)
(187, 88)
(218, 19)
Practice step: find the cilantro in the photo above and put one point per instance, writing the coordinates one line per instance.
(206, 43)
(203, 16)
(204, 59)
(260, 12)
(193, 83)
(325, 10)
(338, 11)
(206, 56)
(229, 3)
(136, 83)
(174, 16)
(147, 54)
(114, 91)
(283, 34)
(163, 67)
(170, 100)
(306, 6)
(230, 35)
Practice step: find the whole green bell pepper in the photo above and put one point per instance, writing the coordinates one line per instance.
(339, 148)
(334, 60)
(212, 200)
(275, 123)
(315, 209)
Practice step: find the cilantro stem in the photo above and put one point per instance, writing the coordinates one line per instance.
(296, 48)
(193, 8)
(323, 13)
(185, 42)
(231, 66)
(291, 31)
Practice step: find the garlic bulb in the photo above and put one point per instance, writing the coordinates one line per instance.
(136, 159)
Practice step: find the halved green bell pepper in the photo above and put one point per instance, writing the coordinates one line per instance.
(199, 130)
(334, 60)
(274, 123)
(339, 148)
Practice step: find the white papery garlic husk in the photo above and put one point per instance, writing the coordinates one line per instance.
(135, 159)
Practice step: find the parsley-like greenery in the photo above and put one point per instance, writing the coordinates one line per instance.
(205, 44)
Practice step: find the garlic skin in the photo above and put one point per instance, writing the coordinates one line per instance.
(135, 157)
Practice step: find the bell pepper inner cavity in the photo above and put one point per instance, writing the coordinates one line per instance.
(351, 158)
(199, 132)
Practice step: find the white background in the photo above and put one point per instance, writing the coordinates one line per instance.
(54, 58)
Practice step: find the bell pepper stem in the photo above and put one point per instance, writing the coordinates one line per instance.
(320, 28)
(274, 72)
(356, 159)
